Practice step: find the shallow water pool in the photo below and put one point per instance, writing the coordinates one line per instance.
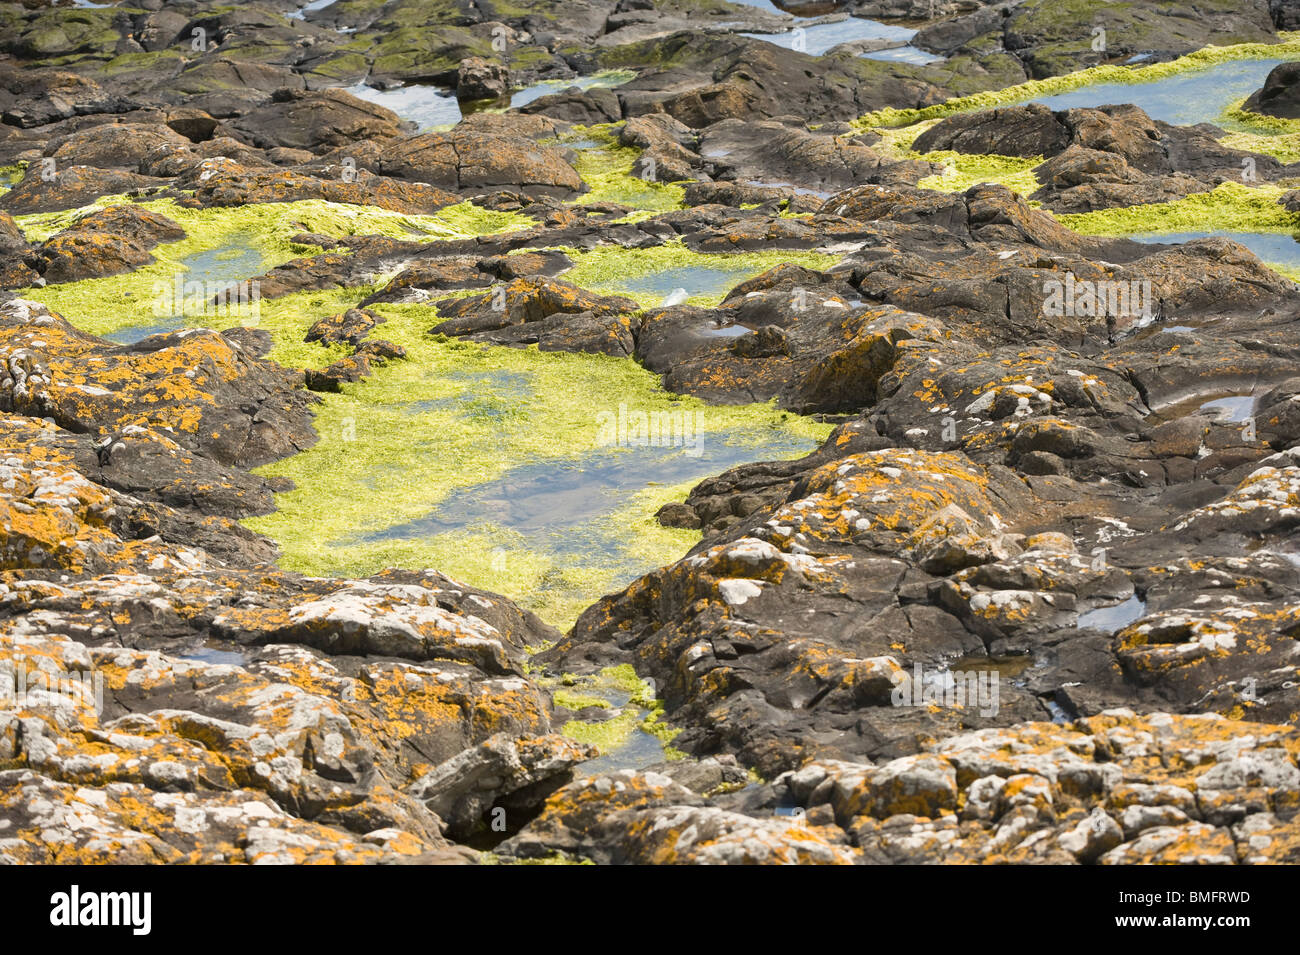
(819, 38)
(301, 12)
(905, 54)
(214, 655)
(1232, 409)
(426, 106)
(214, 268)
(640, 750)
(545, 88)
(1115, 617)
(1184, 100)
(566, 507)
(695, 279)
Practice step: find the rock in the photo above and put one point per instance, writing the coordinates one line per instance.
(378, 351)
(1046, 42)
(32, 97)
(733, 194)
(499, 774)
(418, 281)
(107, 242)
(112, 145)
(477, 79)
(700, 79)
(646, 818)
(346, 328)
(19, 264)
(1279, 95)
(1100, 158)
(466, 159)
(70, 187)
(1029, 130)
(242, 826)
(316, 121)
(770, 152)
(580, 107)
(668, 148)
(211, 395)
(344, 371)
(523, 301)
(228, 184)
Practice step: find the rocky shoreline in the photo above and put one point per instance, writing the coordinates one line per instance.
(803, 439)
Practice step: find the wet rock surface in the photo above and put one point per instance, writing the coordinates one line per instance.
(1279, 95)
(1036, 598)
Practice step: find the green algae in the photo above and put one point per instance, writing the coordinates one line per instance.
(608, 170)
(1259, 122)
(359, 474)
(649, 540)
(1230, 207)
(104, 305)
(157, 62)
(655, 725)
(624, 677)
(642, 711)
(1109, 73)
(1284, 148)
(615, 270)
(39, 226)
(379, 466)
(963, 170)
(578, 701)
(606, 735)
(896, 141)
(266, 225)
(1271, 135)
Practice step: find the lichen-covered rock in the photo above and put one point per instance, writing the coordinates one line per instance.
(176, 694)
(465, 159)
(477, 79)
(226, 184)
(1100, 158)
(774, 152)
(527, 301)
(111, 145)
(647, 819)
(198, 386)
(106, 242)
(53, 189)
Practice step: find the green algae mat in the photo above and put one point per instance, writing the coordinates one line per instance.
(516, 470)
